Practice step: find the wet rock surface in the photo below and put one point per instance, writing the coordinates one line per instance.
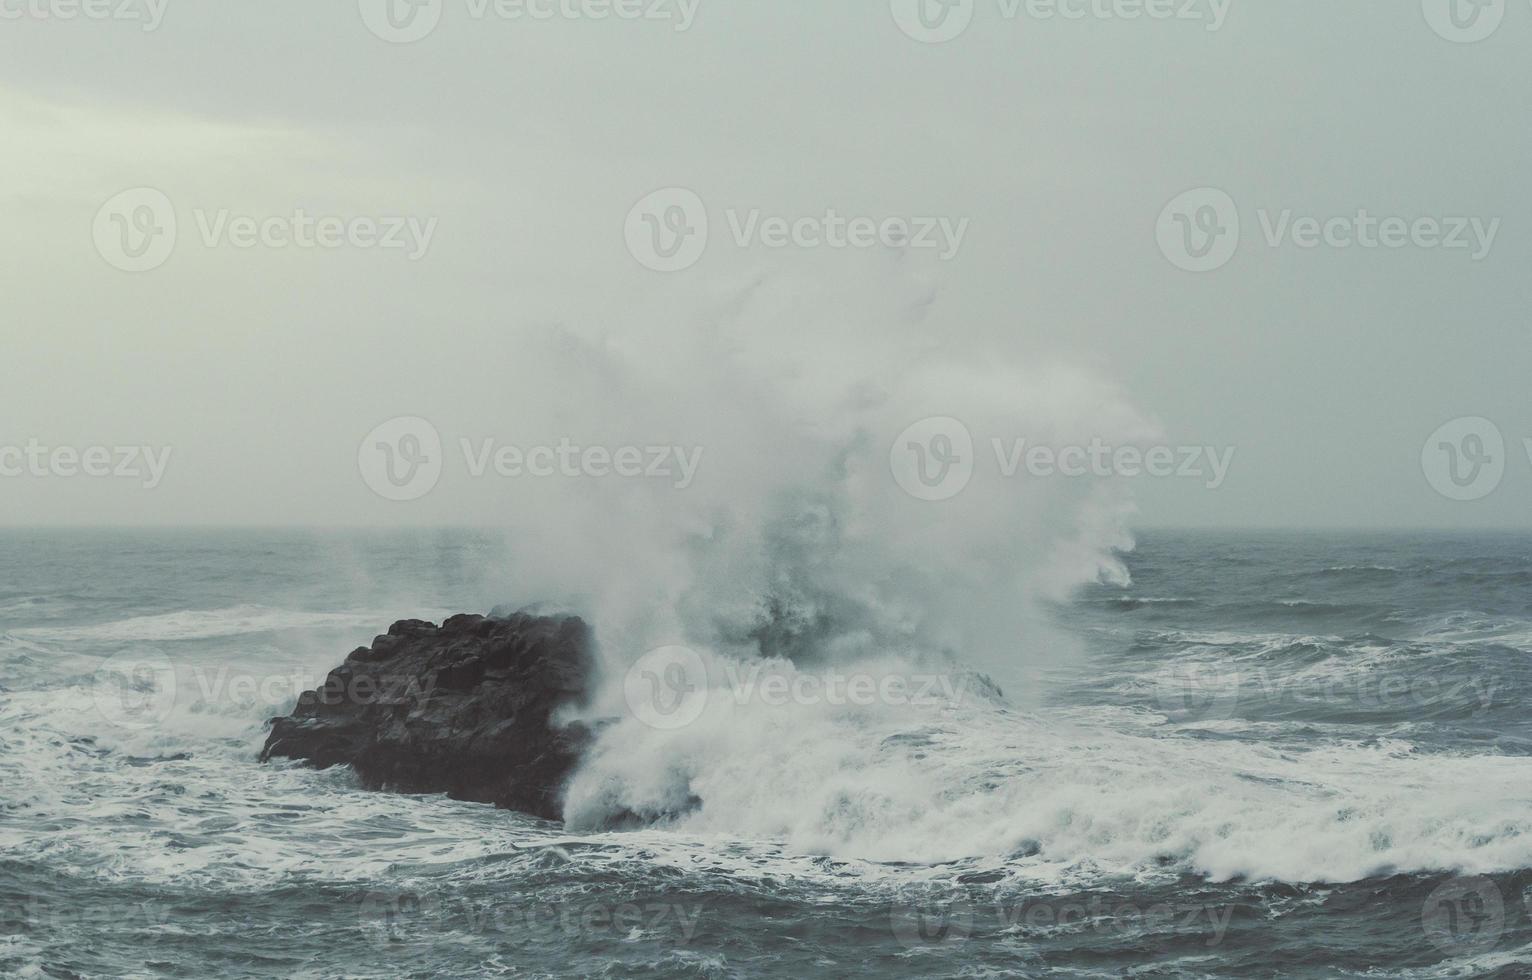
(466, 708)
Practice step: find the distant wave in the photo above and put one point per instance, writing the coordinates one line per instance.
(199, 624)
(1138, 602)
(38, 606)
(1297, 609)
(1361, 570)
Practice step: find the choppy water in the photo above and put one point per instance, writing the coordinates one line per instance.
(1271, 755)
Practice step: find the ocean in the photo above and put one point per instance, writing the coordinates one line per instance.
(1258, 754)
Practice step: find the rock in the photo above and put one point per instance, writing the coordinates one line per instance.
(465, 708)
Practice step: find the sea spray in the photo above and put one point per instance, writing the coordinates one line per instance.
(796, 540)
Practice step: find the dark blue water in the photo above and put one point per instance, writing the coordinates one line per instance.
(1270, 755)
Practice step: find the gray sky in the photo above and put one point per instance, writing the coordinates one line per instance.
(524, 143)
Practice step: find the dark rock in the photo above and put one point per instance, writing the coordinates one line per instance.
(464, 709)
(411, 627)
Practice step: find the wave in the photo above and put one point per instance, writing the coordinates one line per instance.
(14, 601)
(1233, 645)
(1139, 602)
(1498, 963)
(982, 782)
(38, 607)
(1474, 628)
(200, 624)
(1297, 609)
(1362, 571)
(173, 794)
(1264, 667)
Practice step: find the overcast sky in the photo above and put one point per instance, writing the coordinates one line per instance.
(1044, 150)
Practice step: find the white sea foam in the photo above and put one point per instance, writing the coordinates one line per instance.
(183, 801)
(986, 783)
